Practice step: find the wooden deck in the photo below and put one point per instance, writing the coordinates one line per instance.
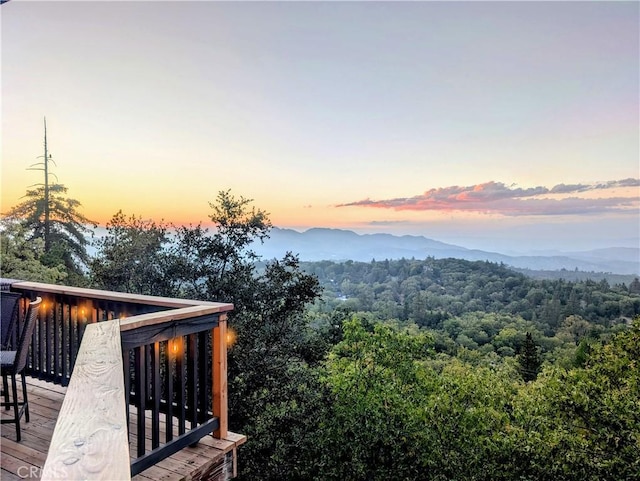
(210, 459)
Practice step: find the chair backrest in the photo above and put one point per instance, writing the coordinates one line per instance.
(8, 316)
(29, 325)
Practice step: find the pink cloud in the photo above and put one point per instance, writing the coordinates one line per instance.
(496, 197)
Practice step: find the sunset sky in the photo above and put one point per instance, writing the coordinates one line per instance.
(496, 125)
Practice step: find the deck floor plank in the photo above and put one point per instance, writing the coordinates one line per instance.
(9, 476)
(24, 460)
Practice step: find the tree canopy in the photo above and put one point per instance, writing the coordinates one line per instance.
(21, 256)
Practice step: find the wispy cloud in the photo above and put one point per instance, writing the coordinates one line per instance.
(388, 222)
(499, 198)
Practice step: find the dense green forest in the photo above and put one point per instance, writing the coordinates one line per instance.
(389, 370)
(428, 291)
(476, 305)
(576, 275)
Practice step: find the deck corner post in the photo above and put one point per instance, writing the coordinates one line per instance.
(220, 376)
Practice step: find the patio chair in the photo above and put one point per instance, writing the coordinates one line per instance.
(8, 317)
(13, 363)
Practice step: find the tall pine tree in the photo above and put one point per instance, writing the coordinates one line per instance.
(47, 214)
(529, 359)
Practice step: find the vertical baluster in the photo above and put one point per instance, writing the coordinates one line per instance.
(181, 401)
(82, 321)
(95, 313)
(64, 343)
(192, 379)
(75, 332)
(33, 351)
(169, 389)
(126, 366)
(140, 397)
(155, 388)
(49, 323)
(64, 340)
(41, 338)
(203, 376)
(148, 373)
(56, 340)
(73, 340)
(34, 337)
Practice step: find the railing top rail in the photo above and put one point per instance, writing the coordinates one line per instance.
(90, 438)
(119, 296)
(153, 318)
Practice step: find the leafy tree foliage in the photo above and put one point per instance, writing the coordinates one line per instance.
(21, 256)
(55, 219)
(273, 392)
(396, 413)
(584, 423)
(373, 430)
(217, 265)
(132, 257)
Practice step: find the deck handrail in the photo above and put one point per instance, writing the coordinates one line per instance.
(172, 302)
(66, 311)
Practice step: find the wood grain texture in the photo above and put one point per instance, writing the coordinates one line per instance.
(90, 438)
(143, 320)
(45, 400)
(115, 296)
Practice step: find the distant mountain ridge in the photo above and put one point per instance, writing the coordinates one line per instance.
(318, 244)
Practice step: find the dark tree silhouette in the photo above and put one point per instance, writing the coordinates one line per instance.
(529, 359)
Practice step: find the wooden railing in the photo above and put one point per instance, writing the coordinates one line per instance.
(173, 364)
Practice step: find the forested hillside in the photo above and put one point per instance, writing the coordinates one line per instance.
(449, 369)
(430, 292)
(576, 275)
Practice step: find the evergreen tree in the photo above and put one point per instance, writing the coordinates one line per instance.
(529, 359)
(48, 214)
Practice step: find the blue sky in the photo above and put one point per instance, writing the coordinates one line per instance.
(505, 124)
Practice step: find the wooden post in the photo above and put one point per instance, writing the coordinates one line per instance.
(219, 348)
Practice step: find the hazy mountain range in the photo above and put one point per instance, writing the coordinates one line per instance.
(340, 245)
